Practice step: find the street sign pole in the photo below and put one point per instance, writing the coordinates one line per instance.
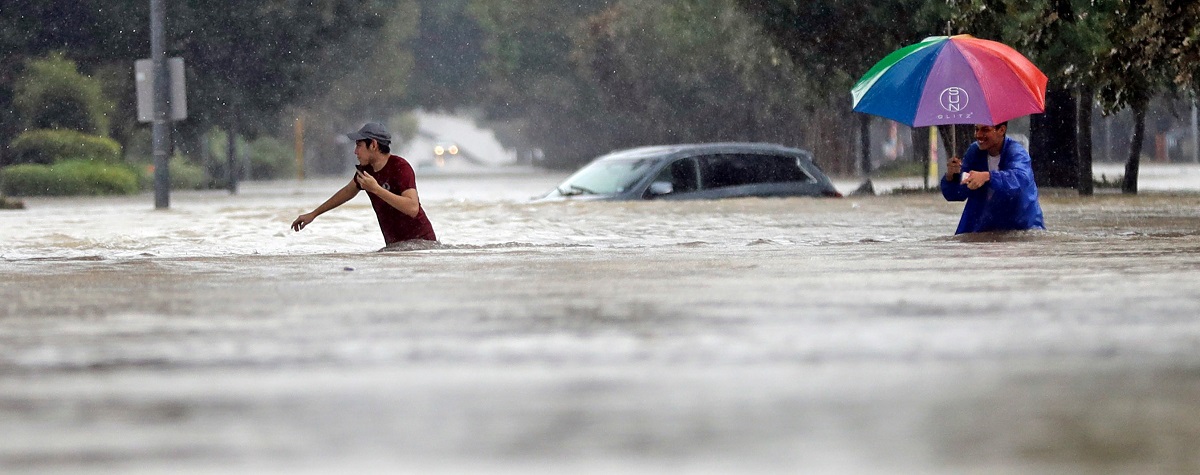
(162, 177)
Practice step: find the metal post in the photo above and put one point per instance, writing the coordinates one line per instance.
(162, 177)
(933, 152)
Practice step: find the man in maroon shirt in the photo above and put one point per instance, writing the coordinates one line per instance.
(390, 183)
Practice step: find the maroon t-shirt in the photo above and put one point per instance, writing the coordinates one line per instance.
(396, 177)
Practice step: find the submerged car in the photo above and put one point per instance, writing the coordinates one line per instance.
(698, 171)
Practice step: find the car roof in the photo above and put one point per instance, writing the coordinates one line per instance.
(684, 150)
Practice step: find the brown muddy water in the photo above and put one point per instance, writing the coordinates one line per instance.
(835, 336)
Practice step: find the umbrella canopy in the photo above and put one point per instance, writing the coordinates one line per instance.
(952, 80)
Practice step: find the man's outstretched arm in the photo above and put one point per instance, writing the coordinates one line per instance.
(339, 198)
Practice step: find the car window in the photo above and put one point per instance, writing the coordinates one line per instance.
(606, 177)
(719, 171)
(682, 174)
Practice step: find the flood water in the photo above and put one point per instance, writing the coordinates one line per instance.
(835, 336)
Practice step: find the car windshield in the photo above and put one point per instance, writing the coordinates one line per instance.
(605, 177)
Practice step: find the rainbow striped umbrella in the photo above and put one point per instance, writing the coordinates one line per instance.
(952, 80)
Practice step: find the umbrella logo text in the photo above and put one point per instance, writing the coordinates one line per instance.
(954, 99)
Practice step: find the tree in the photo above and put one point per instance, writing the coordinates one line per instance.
(51, 94)
(1063, 38)
(532, 84)
(1155, 47)
(247, 61)
(663, 80)
(374, 89)
(1125, 51)
(582, 79)
(826, 36)
(89, 32)
(250, 60)
(448, 53)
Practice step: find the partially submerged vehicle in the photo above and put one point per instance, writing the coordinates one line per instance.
(698, 171)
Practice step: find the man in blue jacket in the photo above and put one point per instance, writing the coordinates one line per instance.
(996, 179)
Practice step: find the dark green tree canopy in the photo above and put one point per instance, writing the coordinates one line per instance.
(254, 58)
(836, 41)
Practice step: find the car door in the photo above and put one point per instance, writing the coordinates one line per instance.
(755, 174)
(679, 179)
(733, 175)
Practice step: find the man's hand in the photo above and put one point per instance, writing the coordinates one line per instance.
(953, 168)
(977, 179)
(367, 182)
(302, 221)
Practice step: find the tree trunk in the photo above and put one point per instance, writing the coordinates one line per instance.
(1195, 131)
(1086, 97)
(1052, 141)
(1130, 184)
(864, 137)
(231, 149)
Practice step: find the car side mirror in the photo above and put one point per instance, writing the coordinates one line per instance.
(661, 188)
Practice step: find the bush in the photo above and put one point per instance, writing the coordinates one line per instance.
(185, 176)
(47, 147)
(71, 177)
(270, 158)
(6, 203)
(52, 94)
(266, 158)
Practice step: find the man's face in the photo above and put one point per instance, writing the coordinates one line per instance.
(989, 137)
(364, 150)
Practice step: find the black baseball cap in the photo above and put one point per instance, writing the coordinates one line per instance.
(371, 131)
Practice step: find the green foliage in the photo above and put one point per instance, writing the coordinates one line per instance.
(373, 88)
(583, 78)
(71, 177)
(185, 175)
(1156, 45)
(260, 57)
(351, 91)
(447, 52)
(838, 40)
(50, 146)
(1130, 51)
(660, 79)
(247, 62)
(52, 94)
(270, 158)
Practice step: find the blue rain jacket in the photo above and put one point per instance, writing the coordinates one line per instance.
(1009, 201)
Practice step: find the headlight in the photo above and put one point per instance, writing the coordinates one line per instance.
(454, 150)
(438, 150)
